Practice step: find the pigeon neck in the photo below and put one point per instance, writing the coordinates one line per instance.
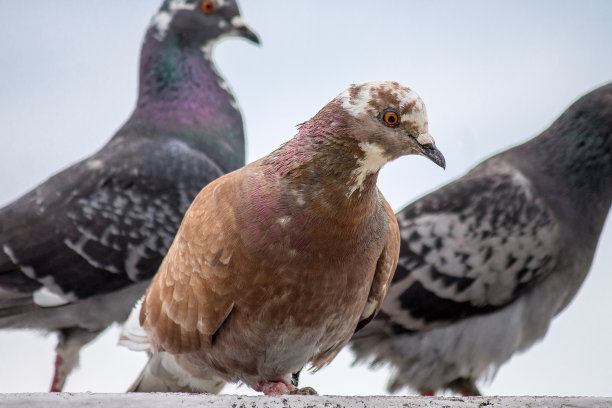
(182, 95)
(326, 169)
(571, 163)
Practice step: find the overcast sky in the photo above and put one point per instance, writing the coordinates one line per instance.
(491, 74)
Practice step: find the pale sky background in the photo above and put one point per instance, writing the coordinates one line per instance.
(492, 74)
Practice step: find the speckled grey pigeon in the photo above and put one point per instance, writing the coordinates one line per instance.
(79, 250)
(488, 260)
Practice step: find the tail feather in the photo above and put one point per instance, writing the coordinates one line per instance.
(11, 314)
(163, 374)
(133, 336)
(16, 291)
(12, 278)
(13, 304)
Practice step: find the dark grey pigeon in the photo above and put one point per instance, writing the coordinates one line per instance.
(488, 260)
(79, 250)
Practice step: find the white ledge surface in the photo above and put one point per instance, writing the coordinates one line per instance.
(68, 400)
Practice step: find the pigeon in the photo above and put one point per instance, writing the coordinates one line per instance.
(487, 261)
(277, 264)
(80, 249)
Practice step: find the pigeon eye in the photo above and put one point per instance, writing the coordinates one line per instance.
(208, 7)
(391, 118)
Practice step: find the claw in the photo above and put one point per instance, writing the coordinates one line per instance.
(304, 391)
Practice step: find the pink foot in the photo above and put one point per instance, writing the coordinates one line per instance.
(469, 393)
(274, 388)
(57, 384)
(428, 393)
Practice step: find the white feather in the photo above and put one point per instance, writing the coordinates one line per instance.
(133, 336)
(43, 297)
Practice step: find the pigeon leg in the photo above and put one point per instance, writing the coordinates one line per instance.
(470, 392)
(427, 393)
(59, 375)
(67, 351)
(465, 387)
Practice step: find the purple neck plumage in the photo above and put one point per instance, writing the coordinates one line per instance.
(323, 158)
(310, 180)
(181, 95)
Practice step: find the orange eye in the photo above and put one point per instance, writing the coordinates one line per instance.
(208, 7)
(391, 118)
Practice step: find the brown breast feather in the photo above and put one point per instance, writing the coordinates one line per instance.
(385, 268)
(203, 276)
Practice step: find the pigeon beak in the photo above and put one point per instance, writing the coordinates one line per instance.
(242, 30)
(431, 151)
(428, 148)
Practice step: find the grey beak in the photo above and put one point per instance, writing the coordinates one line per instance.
(431, 151)
(245, 32)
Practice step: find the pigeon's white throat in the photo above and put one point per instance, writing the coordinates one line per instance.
(374, 158)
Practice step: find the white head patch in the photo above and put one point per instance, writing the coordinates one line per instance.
(357, 100)
(371, 98)
(237, 22)
(161, 21)
(425, 139)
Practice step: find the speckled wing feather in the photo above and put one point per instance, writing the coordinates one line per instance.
(72, 233)
(385, 268)
(470, 248)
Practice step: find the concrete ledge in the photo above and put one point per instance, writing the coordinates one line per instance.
(68, 400)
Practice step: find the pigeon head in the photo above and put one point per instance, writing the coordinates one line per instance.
(181, 93)
(352, 137)
(577, 146)
(388, 120)
(199, 23)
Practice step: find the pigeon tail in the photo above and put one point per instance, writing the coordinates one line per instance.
(163, 374)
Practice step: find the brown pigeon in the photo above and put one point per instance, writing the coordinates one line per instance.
(277, 264)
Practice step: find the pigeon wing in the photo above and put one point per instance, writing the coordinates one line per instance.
(103, 223)
(192, 294)
(385, 267)
(470, 247)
